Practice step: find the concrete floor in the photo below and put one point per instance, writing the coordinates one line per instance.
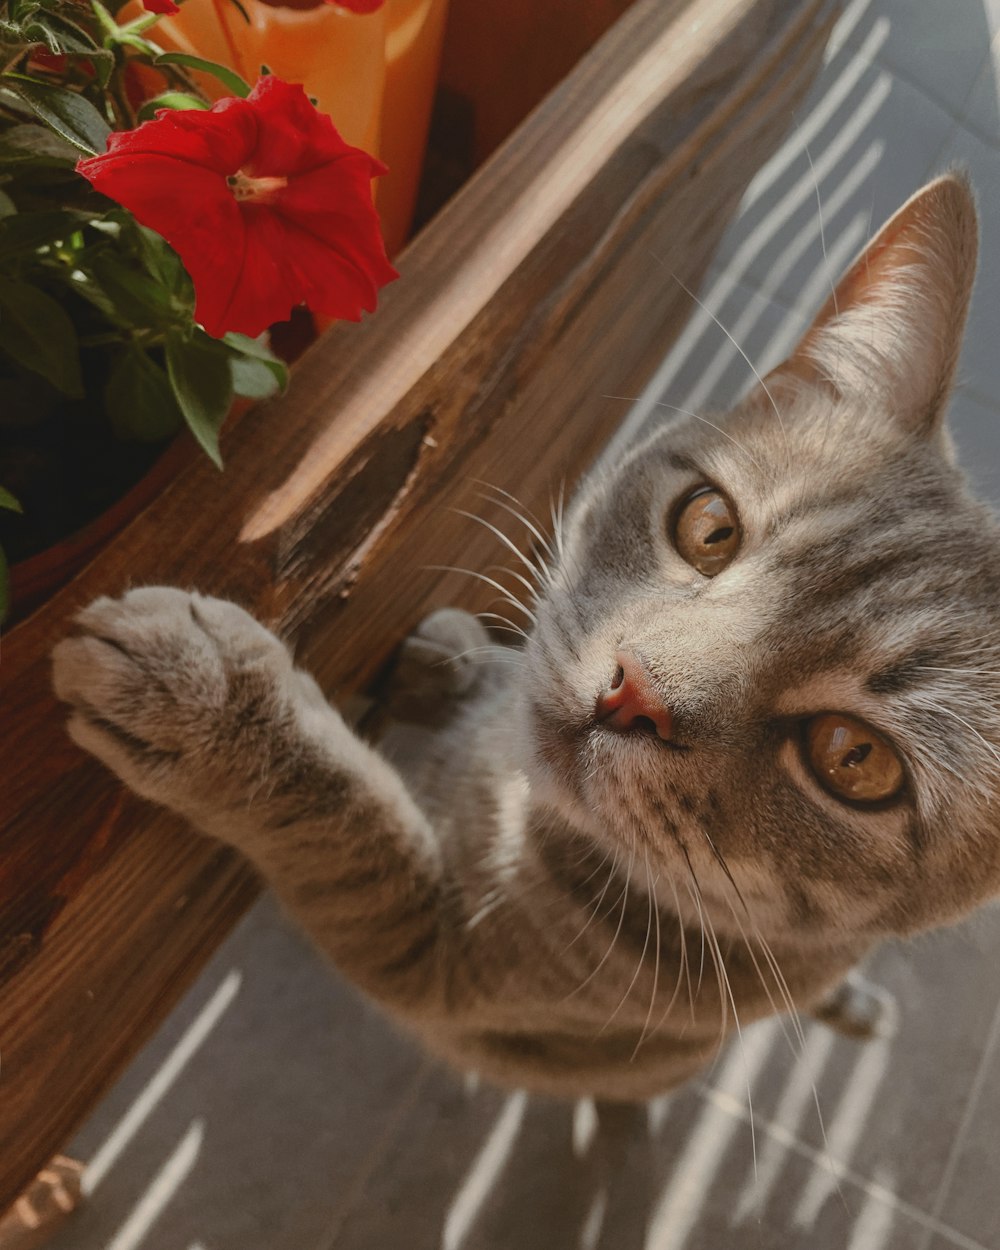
(276, 1111)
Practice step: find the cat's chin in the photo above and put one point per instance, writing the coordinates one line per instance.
(586, 769)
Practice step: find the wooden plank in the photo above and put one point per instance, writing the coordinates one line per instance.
(528, 300)
(502, 57)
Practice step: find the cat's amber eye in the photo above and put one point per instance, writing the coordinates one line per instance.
(851, 760)
(706, 531)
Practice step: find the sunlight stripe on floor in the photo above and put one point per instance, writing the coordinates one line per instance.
(164, 1185)
(840, 91)
(844, 1131)
(154, 1090)
(842, 249)
(483, 1174)
(735, 269)
(876, 1219)
(584, 1125)
(695, 1172)
(798, 1099)
(824, 1162)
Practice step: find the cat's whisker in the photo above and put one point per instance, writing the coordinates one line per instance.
(753, 369)
(720, 859)
(713, 939)
(513, 506)
(683, 969)
(947, 711)
(556, 512)
(651, 884)
(600, 898)
(501, 622)
(972, 672)
(785, 992)
(539, 572)
(554, 549)
(662, 403)
(501, 619)
(621, 920)
(714, 952)
(782, 983)
(832, 285)
(822, 231)
(500, 568)
(489, 581)
(555, 554)
(639, 963)
(510, 629)
(492, 651)
(799, 1037)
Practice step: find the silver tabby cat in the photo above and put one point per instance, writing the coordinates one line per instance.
(754, 730)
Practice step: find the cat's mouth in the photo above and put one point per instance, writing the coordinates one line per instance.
(573, 749)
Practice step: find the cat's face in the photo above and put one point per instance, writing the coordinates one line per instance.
(819, 630)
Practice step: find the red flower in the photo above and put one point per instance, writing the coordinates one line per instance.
(161, 6)
(263, 201)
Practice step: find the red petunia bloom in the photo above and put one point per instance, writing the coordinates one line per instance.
(263, 201)
(166, 7)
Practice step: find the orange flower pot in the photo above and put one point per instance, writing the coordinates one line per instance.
(374, 74)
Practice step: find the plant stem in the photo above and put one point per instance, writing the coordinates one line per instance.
(219, 6)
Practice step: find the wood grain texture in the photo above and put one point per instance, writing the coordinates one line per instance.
(533, 296)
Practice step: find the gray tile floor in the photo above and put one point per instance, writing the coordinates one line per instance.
(276, 1111)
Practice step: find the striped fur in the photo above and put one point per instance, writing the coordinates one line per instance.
(578, 911)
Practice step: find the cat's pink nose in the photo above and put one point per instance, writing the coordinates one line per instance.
(631, 703)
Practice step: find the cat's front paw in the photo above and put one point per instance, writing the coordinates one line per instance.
(437, 666)
(175, 692)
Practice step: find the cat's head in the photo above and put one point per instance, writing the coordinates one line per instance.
(769, 647)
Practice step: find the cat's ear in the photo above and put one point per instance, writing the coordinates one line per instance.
(893, 325)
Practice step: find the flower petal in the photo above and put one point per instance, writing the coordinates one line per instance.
(311, 236)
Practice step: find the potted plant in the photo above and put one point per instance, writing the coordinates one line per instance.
(146, 245)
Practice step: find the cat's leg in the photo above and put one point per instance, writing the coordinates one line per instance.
(858, 1008)
(198, 707)
(444, 662)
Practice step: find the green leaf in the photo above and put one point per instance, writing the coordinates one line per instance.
(37, 334)
(199, 372)
(229, 78)
(106, 22)
(60, 34)
(137, 296)
(7, 206)
(255, 379)
(140, 44)
(8, 501)
(23, 233)
(164, 264)
(139, 399)
(29, 143)
(170, 100)
(250, 359)
(66, 112)
(247, 346)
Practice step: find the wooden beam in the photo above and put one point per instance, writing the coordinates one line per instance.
(531, 297)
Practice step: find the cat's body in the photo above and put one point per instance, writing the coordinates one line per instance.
(620, 842)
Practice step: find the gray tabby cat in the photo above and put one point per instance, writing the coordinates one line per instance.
(753, 731)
